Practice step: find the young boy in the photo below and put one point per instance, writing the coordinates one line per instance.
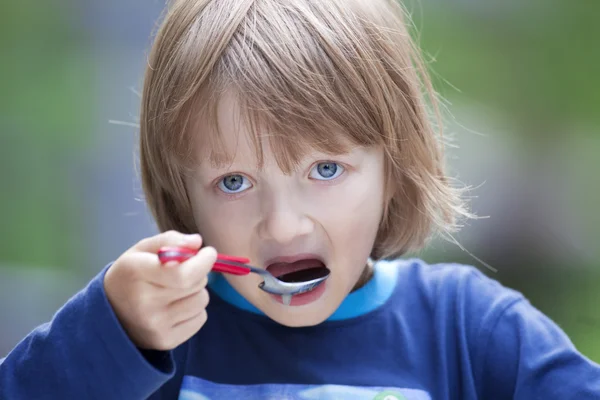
(294, 133)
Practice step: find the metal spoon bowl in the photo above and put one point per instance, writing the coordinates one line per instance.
(292, 284)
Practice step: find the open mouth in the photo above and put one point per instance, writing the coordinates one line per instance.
(298, 271)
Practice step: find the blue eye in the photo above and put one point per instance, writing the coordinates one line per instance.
(326, 171)
(234, 184)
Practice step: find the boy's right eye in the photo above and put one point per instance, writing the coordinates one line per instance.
(232, 184)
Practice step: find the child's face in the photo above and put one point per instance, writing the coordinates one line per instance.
(329, 208)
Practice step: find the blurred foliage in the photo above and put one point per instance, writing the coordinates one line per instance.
(45, 108)
(535, 61)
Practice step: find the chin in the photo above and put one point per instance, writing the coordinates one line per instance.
(310, 314)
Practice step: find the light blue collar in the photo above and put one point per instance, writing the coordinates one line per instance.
(362, 301)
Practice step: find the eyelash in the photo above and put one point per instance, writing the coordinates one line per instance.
(320, 181)
(235, 194)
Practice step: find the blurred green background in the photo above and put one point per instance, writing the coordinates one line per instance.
(521, 87)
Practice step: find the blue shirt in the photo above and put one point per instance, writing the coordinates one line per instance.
(413, 332)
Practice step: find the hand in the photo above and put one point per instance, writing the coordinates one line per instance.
(160, 306)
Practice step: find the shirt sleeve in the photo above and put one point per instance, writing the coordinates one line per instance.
(82, 353)
(525, 355)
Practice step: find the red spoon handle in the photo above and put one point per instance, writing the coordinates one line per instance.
(230, 269)
(240, 260)
(225, 263)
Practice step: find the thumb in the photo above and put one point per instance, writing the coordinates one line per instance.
(170, 238)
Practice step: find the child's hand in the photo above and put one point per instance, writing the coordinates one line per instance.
(160, 306)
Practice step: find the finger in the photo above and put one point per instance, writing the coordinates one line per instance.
(183, 309)
(167, 295)
(169, 238)
(195, 270)
(190, 274)
(145, 267)
(186, 329)
(179, 278)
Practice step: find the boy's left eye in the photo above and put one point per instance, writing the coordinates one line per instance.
(326, 171)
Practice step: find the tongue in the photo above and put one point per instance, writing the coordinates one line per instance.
(304, 275)
(279, 269)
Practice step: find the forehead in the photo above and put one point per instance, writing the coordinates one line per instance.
(232, 134)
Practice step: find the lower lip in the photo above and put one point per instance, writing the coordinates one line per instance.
(304, 298)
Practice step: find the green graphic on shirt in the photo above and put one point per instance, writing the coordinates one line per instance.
(389, 395)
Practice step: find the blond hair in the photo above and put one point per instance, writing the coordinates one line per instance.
(313, 74)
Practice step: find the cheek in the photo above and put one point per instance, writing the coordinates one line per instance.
(351, 217)
(225, 225)
(355, 230)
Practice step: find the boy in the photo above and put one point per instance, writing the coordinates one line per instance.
(293, 133)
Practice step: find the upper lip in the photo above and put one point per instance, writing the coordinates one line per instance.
(292, 258)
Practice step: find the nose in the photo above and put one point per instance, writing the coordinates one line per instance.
(284, 219)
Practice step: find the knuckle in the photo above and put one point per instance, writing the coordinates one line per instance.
(204, 298)
(191, 278)
(131, 271)
(171, 234)
(143, 242)
(182, 281)
(208, 255)
(203, 317)
(130, 266)
(200, 320)
(204, 282)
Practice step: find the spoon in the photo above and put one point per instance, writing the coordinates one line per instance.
(286, 285)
